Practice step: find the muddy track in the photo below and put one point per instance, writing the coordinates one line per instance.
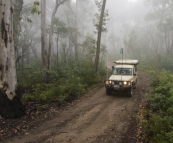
(96, 118)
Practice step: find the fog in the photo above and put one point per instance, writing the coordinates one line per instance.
(142, 28)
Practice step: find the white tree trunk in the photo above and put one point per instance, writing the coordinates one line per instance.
(10, 104)
(8, 80)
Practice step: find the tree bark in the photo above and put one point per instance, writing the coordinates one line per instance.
(10, 105)
(99, 37)
(17, 10)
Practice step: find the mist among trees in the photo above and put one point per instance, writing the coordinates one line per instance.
(142, 28)
(57, 49)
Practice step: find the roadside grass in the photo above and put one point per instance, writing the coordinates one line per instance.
(155, 118)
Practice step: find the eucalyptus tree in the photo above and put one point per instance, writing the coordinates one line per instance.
(103, 52)
(10, 105)
(26, 27)
(58, 3)
(132, 44)
(60, 30)
(43, 36)
(76, 34)
(89, 47)
(100, 29)
(114, 42)
(72, 19)
(161, 14)
(17, 13)
(83, 15)
(18, 4)
(79, 18)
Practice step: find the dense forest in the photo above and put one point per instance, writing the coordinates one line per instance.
(55, 50)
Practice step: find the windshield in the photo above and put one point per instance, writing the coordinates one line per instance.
(122, 71)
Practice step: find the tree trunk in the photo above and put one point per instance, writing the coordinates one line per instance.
(99, 37)
(28, 55)
(22, 57)
(10, 105)
(76, 34)
(43, 36)
(58, 3)
(18, 8)
(64, 53)
(57, 56)
(171, 46)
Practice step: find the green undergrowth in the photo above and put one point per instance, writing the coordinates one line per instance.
(62, 85)
(157, 117)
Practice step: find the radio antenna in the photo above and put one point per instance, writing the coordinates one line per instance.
(121, 52)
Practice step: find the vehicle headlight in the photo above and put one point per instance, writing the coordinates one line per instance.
(108, 81)
(125, 82)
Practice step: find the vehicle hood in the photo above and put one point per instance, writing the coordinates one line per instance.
(119, 78)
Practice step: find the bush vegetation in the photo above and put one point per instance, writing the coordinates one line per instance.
(157, 120)
(63, 84)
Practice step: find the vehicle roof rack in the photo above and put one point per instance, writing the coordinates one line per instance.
(127, 62)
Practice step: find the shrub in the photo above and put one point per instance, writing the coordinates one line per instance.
(63, 85)
(157, 122)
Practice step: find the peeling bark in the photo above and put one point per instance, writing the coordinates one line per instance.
(8, 80)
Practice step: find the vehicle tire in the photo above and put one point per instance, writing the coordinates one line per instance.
(130, 92)
(108, 91)
(134, 87)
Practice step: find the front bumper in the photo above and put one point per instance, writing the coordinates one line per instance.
(118, 85)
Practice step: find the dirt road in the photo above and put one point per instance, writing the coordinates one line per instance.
(95, 118)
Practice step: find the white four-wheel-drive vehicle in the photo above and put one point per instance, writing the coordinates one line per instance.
(123, 77)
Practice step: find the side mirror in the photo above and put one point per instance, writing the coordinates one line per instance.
(134, 74)
(113, 67)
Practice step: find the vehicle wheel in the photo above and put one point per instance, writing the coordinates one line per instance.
(108, 91)
(130, 92)
(134, 87)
